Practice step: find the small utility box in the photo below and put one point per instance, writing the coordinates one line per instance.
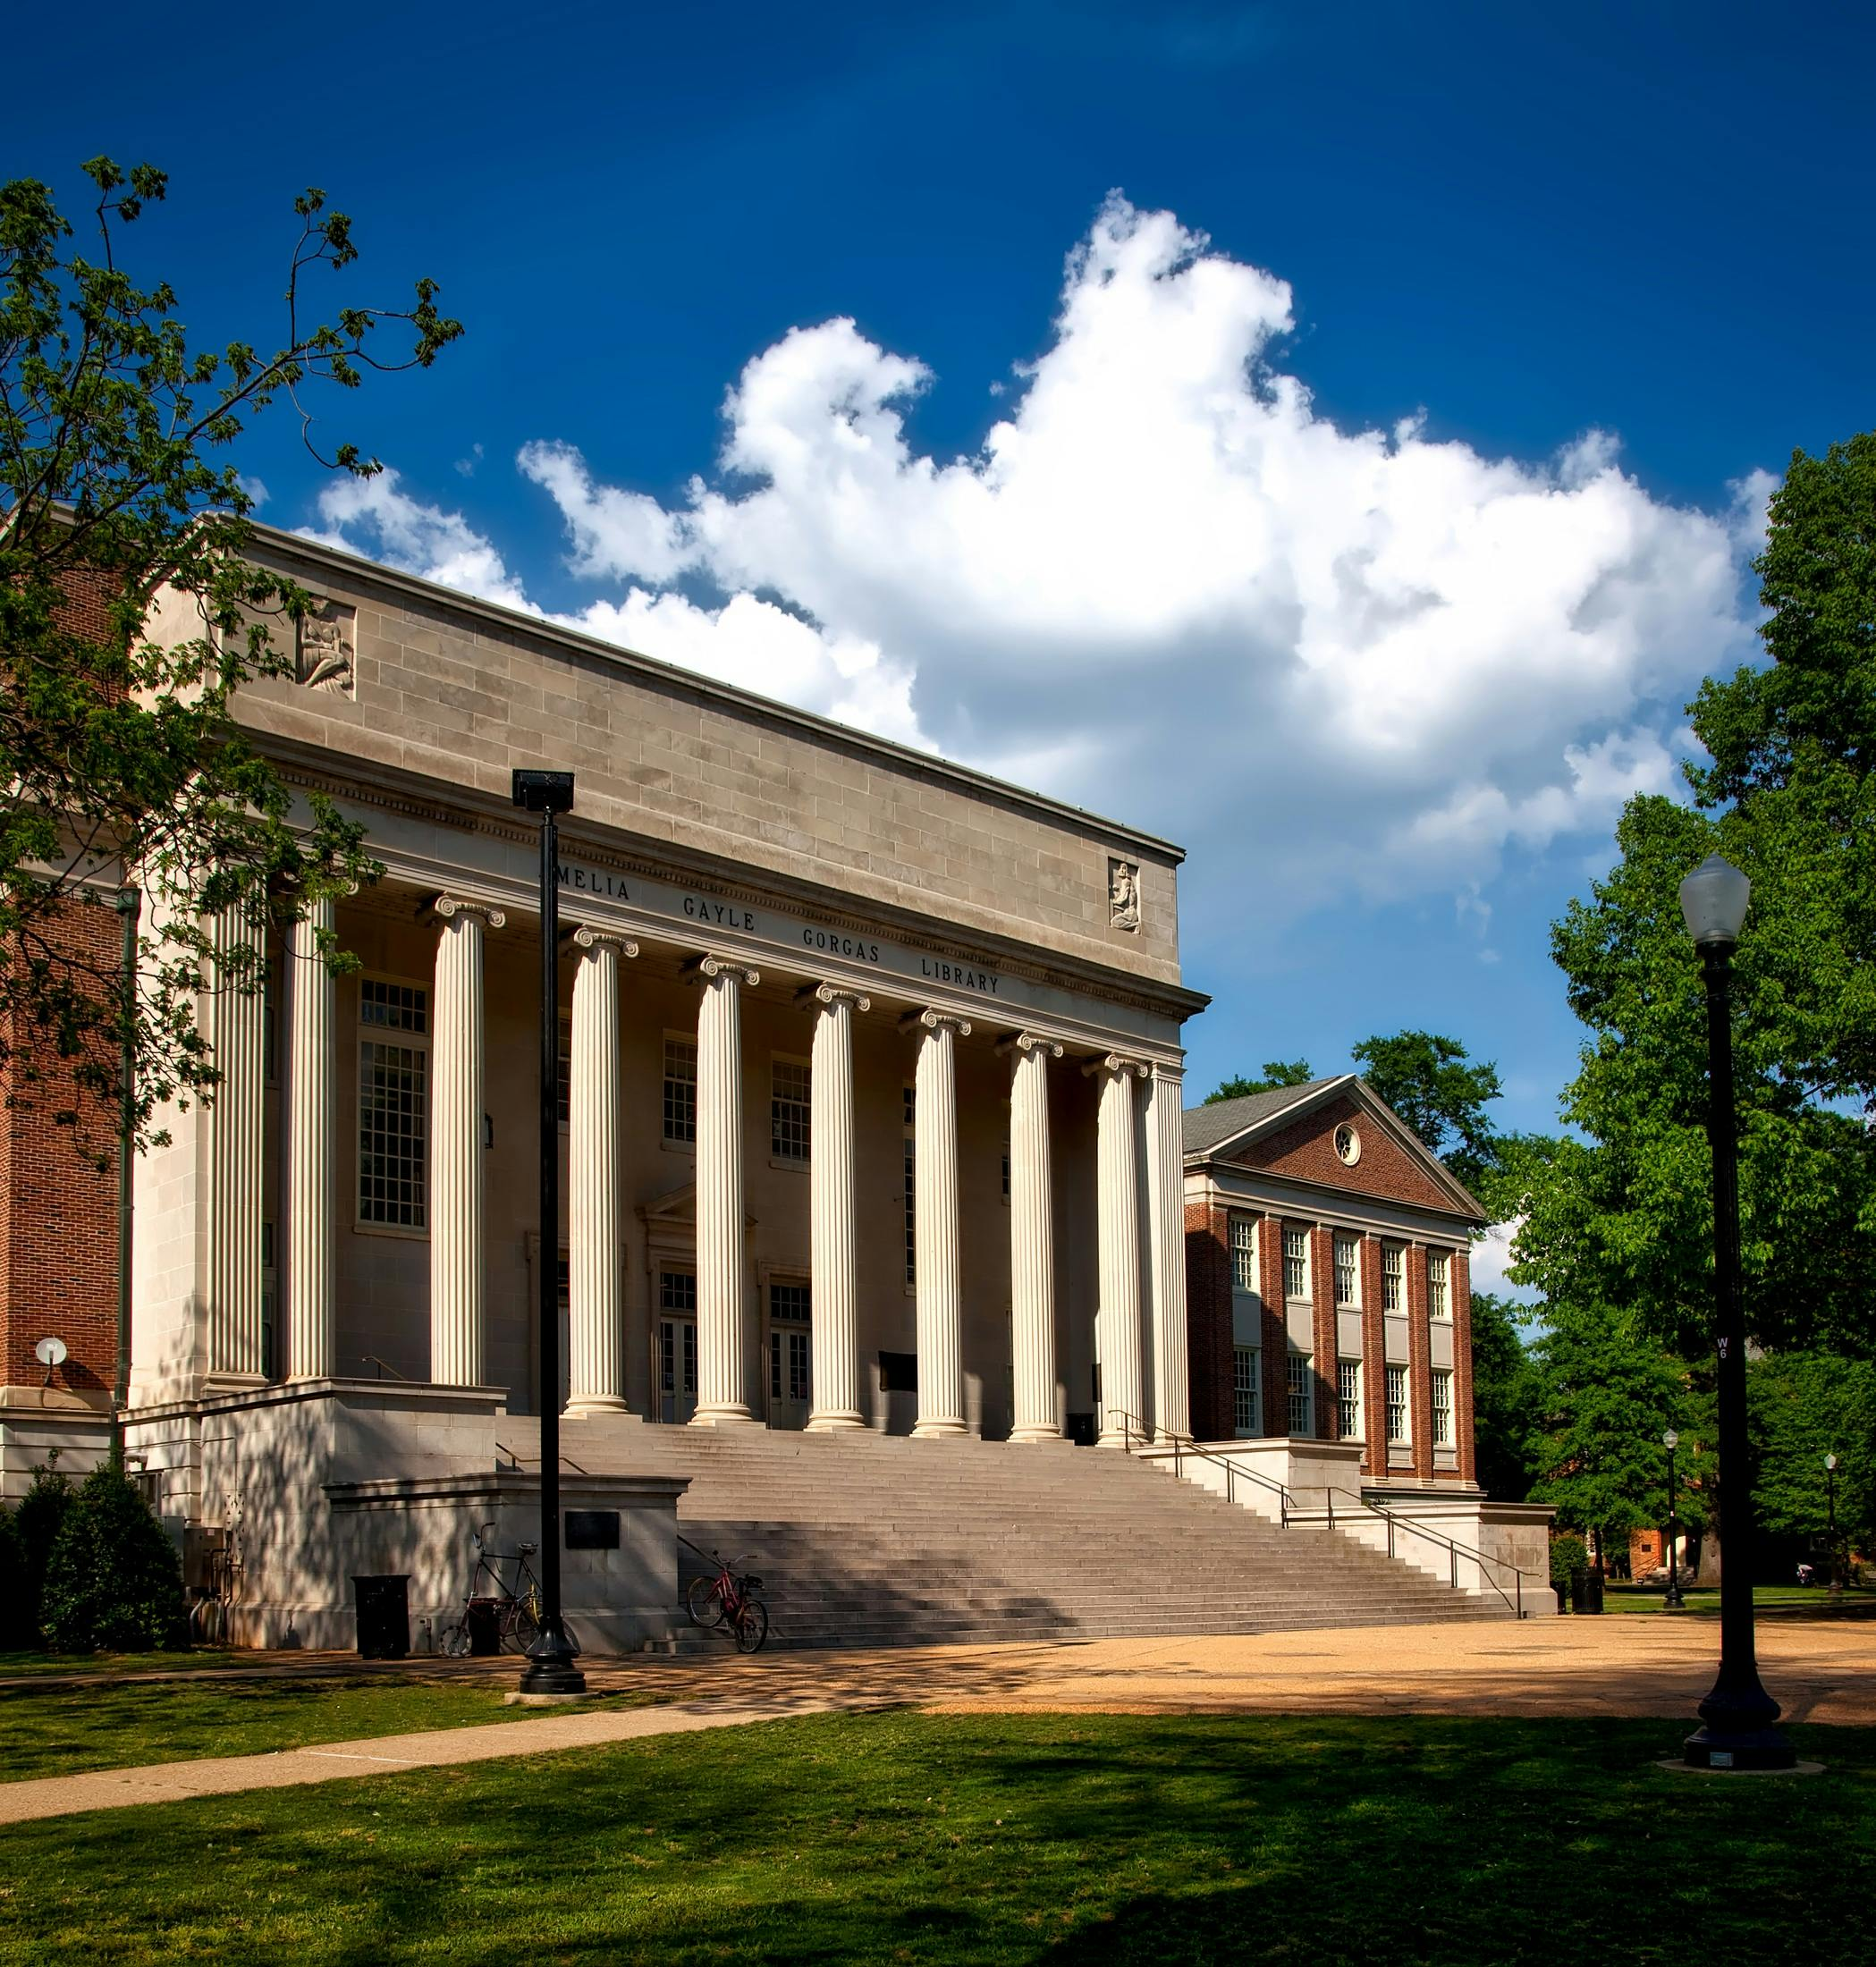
(383, 1614)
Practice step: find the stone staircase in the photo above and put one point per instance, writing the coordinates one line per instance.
(865, 1539)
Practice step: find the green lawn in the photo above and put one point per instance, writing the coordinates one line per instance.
(16, 1665)
(1647, 1598)
(907, 1837)
(48, 1733)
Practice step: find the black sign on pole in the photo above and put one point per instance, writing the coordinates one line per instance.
(550, 1658)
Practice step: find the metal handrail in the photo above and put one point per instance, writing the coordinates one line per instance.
(1184, 1444)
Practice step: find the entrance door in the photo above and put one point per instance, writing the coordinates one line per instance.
(790, 1394)
(677, 1345)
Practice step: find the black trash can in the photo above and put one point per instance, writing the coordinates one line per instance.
(484, 1619)
(1586, 1590)
(384, 1613)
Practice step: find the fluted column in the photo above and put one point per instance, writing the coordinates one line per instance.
(833, 1231)
(234, 1022)
(1032, 1242)
(596, 1107)
(938, 1272)
(312, 1155)
(722, 1361)
(1117, 1331)
(457, 1082)
(1166, 1209)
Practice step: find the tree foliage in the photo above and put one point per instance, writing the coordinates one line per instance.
(1622, 1214)
(1503, 1384)
(114, 1582)
(1801, 1408)
(38, 1517)
(119, 756)
(1276, 1075)
(1433, 1085)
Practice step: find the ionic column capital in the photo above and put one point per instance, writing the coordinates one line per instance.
(830, 994)
(596, 940)
(1117, 1065)
(450, 906)
(710, 968)
(1027, 1042)
(934, 1020)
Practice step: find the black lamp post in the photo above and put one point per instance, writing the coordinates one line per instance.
(1740, 1717)
(1673, 1601)
(1837, 1580)
(551, 1656)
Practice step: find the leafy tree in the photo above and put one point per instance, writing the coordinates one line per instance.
(1276, 1075)
(114, 1582)
(38, 1517)
(17, 1627)
(1433, 1085)
(118, 750)
(1602, 1394)
(1503, 1384)
(1802, 1406)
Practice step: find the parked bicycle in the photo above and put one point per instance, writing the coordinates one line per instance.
(511, 1606)
(727, 1597)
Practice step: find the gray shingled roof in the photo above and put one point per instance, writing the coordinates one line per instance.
(1205, 1126)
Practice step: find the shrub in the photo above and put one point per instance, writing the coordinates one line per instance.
(1568, 1555)
(114, 1582)
(16, 1626)
(39, 1519)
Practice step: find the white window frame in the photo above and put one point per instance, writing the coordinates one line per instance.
(1300, 1259)
(1299, 1393)
(681, 1141)
(1438, 1284)
(1441, 1385)
(1349, 1399)
(909, 1160)
(1247, 1392)
(1346, 1240)
(1241, 1242)
(1404, 1406)
(391, 1037)
(1393, 1279)
(780, 1359)
(791, 1062)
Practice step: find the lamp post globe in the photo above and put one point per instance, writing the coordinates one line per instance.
(1837, 1582)
(1739, 1719)
(1673, 1601)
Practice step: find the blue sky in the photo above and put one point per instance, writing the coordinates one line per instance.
(1388, 686)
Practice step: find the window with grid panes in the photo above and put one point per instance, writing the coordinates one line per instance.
(789, 1107)
(1393, 1277)
(1299, 1387)
(1244, 1254)
(1349, 1398)
(1347, 1269)
(1246, 1391)
(788, 1326)
(677, 1293)
(681, 1090)
(1438, 1284)
(1397, 1404)
(566, 1069)
(1295, 1262)
(393, 1096)
(1442, 1391)
(911, 1209)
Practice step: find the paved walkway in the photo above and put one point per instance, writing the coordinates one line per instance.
(1632, 1664)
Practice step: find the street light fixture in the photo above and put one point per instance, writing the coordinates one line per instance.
(1740, 1718)
(1673, 1601)
(1836, 1581)
(551, 1656)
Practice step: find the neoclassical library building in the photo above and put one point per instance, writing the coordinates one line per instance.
(877, 1171)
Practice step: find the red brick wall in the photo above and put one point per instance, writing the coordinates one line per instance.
(1322, 1280)
(1306, 1152)
(1208, 1321)
(1420, 1351)
(1461, 1289)
(58, 1214)
(1374, 1359)
(1276, 1340)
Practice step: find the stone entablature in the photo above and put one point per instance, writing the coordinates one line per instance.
(457, 692)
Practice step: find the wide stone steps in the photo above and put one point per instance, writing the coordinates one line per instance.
(864, 1540)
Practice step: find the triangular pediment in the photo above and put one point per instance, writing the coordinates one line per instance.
(677, 1209)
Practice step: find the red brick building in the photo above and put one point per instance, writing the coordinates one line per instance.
(1327, 1283)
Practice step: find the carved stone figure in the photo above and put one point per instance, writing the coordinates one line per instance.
(1123, 893)
(326, 649)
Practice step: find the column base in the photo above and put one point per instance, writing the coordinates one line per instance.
(728, 1414)
(1037, 1434)
(841, 1421)
(933, 1430)
(596, 1406)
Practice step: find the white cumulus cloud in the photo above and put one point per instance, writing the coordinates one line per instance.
(1361, 661)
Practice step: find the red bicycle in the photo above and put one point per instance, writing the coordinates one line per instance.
(727, 1597)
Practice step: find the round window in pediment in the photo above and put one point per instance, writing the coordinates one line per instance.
(1347, 1144)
